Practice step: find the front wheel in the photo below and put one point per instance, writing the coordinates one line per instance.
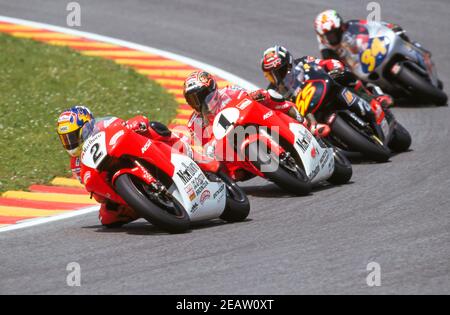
(421, 88)
(401, 139)
(358, 142)
(343, 170)
(287, 174)
(237, 206)
(168, 214)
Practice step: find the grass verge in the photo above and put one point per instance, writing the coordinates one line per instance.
(38, 81)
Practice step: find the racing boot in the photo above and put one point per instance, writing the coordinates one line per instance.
(385, 100)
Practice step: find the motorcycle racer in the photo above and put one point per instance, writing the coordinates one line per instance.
(76, 123)
(330, 29)
(202, 94)
(283, 73)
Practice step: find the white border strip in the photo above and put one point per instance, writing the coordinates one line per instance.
(194, 63)
(58, 217)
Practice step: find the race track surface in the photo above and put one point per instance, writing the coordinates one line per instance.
(396, 214)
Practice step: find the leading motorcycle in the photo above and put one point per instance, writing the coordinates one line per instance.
(164, 187)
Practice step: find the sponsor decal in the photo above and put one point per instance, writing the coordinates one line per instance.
(348, 96)
(114, 138)
(219, 191)
(67, 117)
(205, 196)
(244, 104)
(304, 141)
(200, 183)
(91, 140)
(147, 176)
(187, 172)
(194, 207)
(315, 172)
(63, 128)
(268, 115)
(324, 159)
(396, 69)
(191, 192)
(146, 146)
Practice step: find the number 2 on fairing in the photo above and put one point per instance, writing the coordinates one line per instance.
(304, 98)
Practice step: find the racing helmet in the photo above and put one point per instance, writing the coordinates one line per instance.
(69, 125)
(276, 63)
(201, 92)
(329, 27)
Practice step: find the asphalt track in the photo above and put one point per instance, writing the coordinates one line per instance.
(396, 214)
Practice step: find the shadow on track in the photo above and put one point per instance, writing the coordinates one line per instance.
(273, 191)
(146, 228)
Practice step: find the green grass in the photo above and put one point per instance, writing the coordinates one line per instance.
(38, 81)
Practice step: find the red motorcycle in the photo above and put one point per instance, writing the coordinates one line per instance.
(165, 187)
(253, 140)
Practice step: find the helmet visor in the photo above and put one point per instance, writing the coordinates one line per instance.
(334, 36)
(203, 100)
(194, 101)
(70, 140)
(277, 76)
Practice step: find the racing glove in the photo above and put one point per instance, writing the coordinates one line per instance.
(138, 124)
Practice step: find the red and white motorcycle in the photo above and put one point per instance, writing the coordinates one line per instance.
(252, 140)
(166, 188)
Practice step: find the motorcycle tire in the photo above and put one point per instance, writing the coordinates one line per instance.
(298, 184)
(237, 206)
(359, 143)
(343, 170)
(127, 188)
(401, 139)
(421, 88)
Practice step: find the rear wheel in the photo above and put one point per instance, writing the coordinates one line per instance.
(401, 139)
(358, 142)
(238, 206)
(420, 87)
(343, 170)
(285, 172)
(166, 213)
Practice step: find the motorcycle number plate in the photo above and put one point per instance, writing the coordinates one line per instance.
(94, 150)
(224, 122)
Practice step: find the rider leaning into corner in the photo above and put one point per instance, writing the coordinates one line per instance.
(207, 100)
(335, 41)
(74, 126)
(331, 29)
(282, 71)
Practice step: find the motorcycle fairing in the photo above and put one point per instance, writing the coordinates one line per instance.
(318, 162)
(202, 199)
